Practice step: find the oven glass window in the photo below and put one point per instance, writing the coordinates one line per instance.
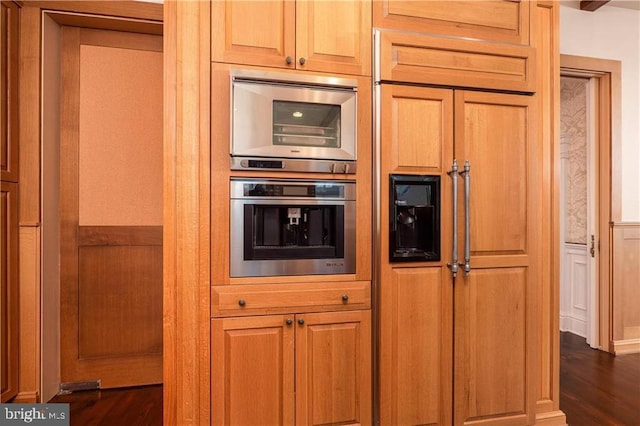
(306, 124)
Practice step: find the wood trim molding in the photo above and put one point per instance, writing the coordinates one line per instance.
(545, 38)
(186, 226)
(592, 5)
(623, 347)
(123, 9)
(609, 187)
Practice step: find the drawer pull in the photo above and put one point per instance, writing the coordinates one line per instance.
(289, 321)
(242, 302)
(345, 297)
(301, 321)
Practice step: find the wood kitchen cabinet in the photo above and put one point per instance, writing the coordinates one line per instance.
(304, 369)
(504, 21)
(327, 36)
(489, 315)
(9, 290)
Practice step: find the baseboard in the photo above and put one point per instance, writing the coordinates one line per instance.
(26, 398)
(623, 347)
(573, 325)
(551, 418)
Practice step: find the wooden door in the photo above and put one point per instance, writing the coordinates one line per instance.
(333, 368)
(253, 32)
(9, 290)
(252, 370)
(334, 36)
(9, 91)
(111, 207)
(495, 305)
(416, 299)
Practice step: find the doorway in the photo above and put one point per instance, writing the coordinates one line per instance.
(589, 104)
(578, 138)
(101, 202)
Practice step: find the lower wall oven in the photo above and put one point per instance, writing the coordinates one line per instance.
(292, 227)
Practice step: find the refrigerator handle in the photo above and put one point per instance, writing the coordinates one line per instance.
(467, 237)
(453, 265)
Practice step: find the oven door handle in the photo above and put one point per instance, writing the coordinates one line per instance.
(453, 265)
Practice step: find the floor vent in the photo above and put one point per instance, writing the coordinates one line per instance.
(66, 388)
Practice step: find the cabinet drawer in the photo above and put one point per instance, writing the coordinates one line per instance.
(262, 299)
(452, 62)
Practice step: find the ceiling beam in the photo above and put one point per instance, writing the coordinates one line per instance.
(592, 5)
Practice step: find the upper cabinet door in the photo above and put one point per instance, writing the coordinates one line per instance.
(326, 36)
(253, 32)
(497, 20)
(334, 36)
(9, 92)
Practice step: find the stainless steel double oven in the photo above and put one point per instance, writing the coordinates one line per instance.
(292, 122)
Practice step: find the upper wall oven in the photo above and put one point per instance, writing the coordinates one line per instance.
(292, 122)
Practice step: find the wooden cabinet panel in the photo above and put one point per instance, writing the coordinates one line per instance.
(262, 299)
(253, 32)
(493, 133)
(120, 301)
(492, 378)
(9, 32)
(495, 306)
(417, 126)
(252, 371)
(416, 347)
(9, 290)
(427, 59)
(333, 368)
(492, 343)
(334, 36)
(499, 20)
(253, 368)
(327, 36)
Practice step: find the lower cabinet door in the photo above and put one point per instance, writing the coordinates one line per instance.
(252, 370)
(333, 368)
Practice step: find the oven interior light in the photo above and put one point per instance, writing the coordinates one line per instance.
(297, 114)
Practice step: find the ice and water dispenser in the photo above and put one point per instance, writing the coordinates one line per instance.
(414, 215)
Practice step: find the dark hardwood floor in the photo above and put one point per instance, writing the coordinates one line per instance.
(141, 406)
(596, 389)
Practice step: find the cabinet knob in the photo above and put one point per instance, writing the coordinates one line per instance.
(345, 297)
(242, 302)
(301, 321)
(289, 321)
(302, 61)
(289, 60)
